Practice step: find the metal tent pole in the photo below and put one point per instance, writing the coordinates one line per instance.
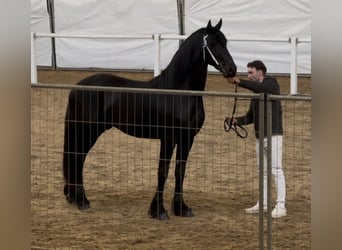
(51, 10)
(181, 15)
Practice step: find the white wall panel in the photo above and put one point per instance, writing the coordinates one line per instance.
(40, 23)
(113, 17)
(263, 18)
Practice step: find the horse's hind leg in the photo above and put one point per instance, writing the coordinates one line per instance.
(157, 209)
(79, 137)
(179, 208)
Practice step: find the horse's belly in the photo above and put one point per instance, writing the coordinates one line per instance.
(141, 131)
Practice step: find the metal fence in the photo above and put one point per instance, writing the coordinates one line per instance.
(120, 172)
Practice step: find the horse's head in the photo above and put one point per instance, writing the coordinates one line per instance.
(215, 50)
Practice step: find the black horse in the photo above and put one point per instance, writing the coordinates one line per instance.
(173, 119)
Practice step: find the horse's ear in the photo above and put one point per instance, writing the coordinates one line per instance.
(219, 24)
(209, 25)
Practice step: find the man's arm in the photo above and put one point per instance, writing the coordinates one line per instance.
(268, 85)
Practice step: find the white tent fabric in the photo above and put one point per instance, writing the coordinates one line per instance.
(40, 23)
(263, 18)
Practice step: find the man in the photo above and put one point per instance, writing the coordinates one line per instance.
(260, 83)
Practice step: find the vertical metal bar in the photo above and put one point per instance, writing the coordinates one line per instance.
(269, 171)
(33, 60)
(181, 15)
(293, 89)
(261, 170)
(156, 38)
(51, 10)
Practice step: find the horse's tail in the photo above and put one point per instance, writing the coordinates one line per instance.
(80, 134)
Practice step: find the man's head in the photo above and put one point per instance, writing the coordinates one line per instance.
(256, 70)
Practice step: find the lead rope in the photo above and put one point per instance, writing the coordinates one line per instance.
(228, 122)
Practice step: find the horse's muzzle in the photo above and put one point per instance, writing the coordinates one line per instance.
(228, 71)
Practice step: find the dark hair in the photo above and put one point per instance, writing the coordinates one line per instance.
(258, 65)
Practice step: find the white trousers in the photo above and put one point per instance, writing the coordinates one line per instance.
(277, 168)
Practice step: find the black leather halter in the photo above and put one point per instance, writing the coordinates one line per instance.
(206, 47)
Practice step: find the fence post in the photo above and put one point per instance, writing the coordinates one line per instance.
(33, 59)
(156, 38)
(269, 171)
(293, 89)
(261, 170)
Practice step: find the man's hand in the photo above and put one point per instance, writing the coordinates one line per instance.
(233, 80)
(228, 123)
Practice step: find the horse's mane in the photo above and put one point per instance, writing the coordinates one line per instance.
(181, 62)
(184, 65)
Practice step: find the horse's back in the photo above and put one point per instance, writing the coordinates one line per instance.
(84, 104)
(109, 80)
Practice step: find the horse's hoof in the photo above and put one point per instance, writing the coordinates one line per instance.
(82, 205)
(76, 196)
(70, 199)
(183, 213)
(158, 216)
(181, 209)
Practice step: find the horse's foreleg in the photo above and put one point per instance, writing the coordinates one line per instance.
(179, 207)
(78, 139)
(157, 209)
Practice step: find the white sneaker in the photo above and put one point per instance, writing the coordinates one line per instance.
(279, 211)
(254, 209)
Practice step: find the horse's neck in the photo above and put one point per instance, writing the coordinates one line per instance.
(195, 77)
(187, 70)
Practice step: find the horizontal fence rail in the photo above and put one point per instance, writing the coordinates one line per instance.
(293, 41)
(169, 91)
(290, 97)
(145, 90)
(93, 36)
